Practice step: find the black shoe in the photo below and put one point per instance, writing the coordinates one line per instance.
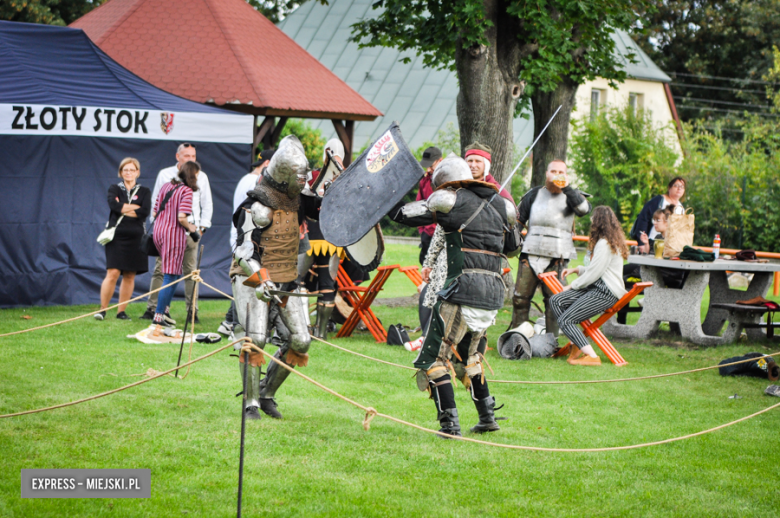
(169, 321)
(268, 405)
(148, 315)
(100, 316)
(252, 413)
(197, 320)
(122, 316)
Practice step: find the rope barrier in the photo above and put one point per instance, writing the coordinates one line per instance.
(100, 310)
(120, 389)
(582, 382)
(371, 413)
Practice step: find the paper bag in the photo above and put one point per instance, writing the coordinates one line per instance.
(679, 233)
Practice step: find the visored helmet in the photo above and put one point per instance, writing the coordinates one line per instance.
(288, 167)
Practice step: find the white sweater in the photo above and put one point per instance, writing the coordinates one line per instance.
(604, 265)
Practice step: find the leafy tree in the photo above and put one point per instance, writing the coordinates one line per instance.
(276, 10)
(51, 12)
(623, 160)
(497, 47)
(701, 41)
(312, 140)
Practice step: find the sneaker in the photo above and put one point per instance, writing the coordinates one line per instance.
(772, 390)
(168, 320)
(225, 328)
(414, 345)
(100, 316)
(148, 314)
(123, 316)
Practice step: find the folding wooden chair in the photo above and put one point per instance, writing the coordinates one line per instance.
(413, 272)
(360, 299)
(591, 329)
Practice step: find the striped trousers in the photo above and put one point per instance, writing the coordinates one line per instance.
(574, 306)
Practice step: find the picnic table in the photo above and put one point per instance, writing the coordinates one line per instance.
(683, 306)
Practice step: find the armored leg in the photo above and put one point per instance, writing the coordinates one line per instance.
(272, 381)
(551, 322)
(525, 287)
(252, 385)
(294, 318)
(258, 311)
(443, 396)
(323, 316)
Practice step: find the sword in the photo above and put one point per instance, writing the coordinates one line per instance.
(509, 178)
(293, 294)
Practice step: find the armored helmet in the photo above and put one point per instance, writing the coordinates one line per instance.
(288, 167)
(451, 169)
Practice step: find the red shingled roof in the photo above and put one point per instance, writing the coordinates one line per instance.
(221, 51)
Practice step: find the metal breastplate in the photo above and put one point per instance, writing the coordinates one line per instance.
(550, 227)
(280, 246)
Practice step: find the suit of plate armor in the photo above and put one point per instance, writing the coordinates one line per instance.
(548, 245)
(267, 254)
(473, 291)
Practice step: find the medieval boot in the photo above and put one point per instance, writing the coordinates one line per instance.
(268, 387)
(450, 424)
(487, 419)
(268, 406)
(252, 391)
(323, 316)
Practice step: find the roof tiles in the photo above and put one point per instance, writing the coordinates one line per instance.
(220, 51)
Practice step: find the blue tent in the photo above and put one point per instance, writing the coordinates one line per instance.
(68, 115)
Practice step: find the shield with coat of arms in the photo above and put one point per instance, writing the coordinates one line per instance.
(166, 122)
(369, 188)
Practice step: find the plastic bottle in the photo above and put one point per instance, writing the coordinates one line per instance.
(716, 246)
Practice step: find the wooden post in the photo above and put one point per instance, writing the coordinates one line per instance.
(264, 129)
(345, 135)
(278, 131)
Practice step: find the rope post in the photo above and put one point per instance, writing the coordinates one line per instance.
(190, 313)
(243, 424)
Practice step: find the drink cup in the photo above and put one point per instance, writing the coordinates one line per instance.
(658, 246)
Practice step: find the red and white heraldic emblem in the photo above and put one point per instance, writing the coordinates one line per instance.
(166, 122)
(381, 152)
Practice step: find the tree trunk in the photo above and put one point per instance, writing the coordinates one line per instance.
(554, 142)
(489, 89)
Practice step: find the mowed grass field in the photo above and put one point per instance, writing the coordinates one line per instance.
(319, 461)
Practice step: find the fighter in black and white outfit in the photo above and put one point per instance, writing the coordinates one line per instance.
(480, 227)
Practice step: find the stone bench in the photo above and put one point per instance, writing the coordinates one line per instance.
(741, 316)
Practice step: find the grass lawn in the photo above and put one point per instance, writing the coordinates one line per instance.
(319, 461)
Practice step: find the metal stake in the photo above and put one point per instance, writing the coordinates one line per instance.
(190, 314)
(243, 424)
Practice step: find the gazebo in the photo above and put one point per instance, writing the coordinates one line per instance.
(223, 52)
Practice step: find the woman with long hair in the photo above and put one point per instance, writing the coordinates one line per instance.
(132, 202)
(598, 287)
(171, 228)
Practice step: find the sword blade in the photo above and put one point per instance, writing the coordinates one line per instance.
(509, 178)
(293, 294)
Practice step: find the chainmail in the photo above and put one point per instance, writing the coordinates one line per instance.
(274, 199)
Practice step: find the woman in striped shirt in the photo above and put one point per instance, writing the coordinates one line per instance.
(171, 228)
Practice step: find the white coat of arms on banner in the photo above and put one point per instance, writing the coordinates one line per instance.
(381, 153)
(166, 122)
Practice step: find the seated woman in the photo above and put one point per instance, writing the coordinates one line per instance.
(674, 193)
(598, 287)
(660, 224)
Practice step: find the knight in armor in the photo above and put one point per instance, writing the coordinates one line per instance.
(548, 212)
(267, 262)
(480, 227)
(319, 266)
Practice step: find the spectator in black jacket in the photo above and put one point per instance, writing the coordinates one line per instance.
(644, 222)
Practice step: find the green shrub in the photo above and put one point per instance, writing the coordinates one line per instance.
(312, 140)
(623, 160)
